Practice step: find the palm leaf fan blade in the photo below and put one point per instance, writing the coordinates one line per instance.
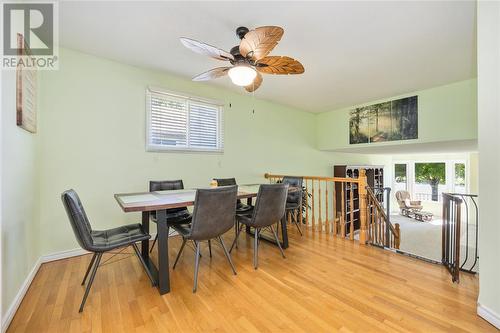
(281, 65)
(260, 42)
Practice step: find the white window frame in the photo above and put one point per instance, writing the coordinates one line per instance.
(467, 174)
(164, 148)
(449, 169)
(408, 182)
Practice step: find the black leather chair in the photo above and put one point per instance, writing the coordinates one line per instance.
(101, 241)
(213, 215)
(294, 200)
(241, 208)
(269, 209)
(175, 216)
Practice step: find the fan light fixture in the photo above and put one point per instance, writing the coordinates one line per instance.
(242, 75)
(248, 60)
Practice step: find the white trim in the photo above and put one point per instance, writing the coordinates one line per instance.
(14, 306)
(11, 311)
(62, 255)
(186, 96)
(162, 149)
(150, 147)
(488, 315)
(449, 173)
(1, 190)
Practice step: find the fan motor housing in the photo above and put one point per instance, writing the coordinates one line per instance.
(235, 51)
(238, 58)
(241, 32)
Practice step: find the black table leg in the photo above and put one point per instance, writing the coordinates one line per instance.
(145, 243)
(163, 269)
(145, 249)
(284, 233)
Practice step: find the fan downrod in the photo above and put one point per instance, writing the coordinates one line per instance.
(241, 32)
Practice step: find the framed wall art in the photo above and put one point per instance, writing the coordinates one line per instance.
(388, 121)
(26, 89)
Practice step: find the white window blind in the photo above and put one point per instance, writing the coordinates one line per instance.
(178, 122)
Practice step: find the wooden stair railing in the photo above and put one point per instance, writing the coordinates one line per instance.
(324, 214)
(381, 232)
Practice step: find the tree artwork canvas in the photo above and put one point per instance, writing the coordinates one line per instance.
(388, 121)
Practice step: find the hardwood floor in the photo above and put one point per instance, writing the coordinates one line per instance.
(324, 285)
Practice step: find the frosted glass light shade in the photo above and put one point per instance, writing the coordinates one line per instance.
(242, 75)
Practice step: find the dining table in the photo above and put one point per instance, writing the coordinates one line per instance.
(159, 202)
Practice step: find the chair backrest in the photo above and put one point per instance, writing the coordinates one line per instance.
(227, 182)
(214, 211)
(295, 196)
(270, 204)
(168, 185)
(78, 219)
(401, 196)
(165, 185)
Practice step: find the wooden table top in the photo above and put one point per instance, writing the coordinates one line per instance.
(159, 200)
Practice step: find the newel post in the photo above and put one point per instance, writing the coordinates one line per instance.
(362, 206)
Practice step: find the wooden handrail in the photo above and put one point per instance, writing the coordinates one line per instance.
(322, 194)
(377, 203)
(381, 231)
(332, 179)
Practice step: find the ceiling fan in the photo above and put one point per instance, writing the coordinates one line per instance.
(249, 59)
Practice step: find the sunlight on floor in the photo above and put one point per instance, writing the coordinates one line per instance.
(436, 222)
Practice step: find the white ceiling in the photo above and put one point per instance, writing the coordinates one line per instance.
(353, 52)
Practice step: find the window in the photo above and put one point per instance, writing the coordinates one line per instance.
(430, 181)
(459, 180)
(400, 177)
(427, 180)
(183, 123)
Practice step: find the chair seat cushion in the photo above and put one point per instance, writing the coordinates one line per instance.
(245, 218)
(183, 229)
(179, 217)
(106, 240)
(243, 209)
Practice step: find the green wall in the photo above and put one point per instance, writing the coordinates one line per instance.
(91, 137)
(92, 131)
(19, 196)
(445, 113)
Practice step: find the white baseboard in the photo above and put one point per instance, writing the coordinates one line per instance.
(488, 315)
(11, 311)
(63, 255)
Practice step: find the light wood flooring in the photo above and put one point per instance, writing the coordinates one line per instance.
(325, 284)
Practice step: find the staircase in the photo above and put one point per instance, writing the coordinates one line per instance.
(322, 214)
(381, 232)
